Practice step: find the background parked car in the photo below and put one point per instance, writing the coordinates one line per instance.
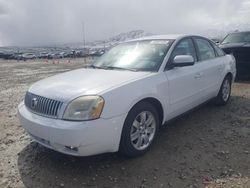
(28, 56)
(238, 44)
(8, 55)
(62, 54)
(96, 52)
(52, 56)
(43, 55)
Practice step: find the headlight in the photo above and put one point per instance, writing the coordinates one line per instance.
(84, 108)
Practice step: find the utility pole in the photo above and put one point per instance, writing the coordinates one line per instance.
(83, 33)
(84, 41)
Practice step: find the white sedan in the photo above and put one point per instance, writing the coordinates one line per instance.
(119, 102)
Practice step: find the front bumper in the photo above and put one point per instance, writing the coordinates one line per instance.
(71, 137)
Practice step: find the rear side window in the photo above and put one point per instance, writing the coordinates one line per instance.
(205, 49)
(218, 50)
(185, 47)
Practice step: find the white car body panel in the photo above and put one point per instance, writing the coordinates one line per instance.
(177, 90)
(67, 86)
(90, 137)
(185, 91)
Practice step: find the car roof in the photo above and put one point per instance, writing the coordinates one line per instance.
(163, 37)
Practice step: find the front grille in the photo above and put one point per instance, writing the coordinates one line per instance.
(42, 106)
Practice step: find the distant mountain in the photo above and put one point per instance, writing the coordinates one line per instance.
(107, 43)
(129, 36)
(119, 38)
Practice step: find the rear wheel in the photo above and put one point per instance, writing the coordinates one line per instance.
(225, 92)
(140, 129)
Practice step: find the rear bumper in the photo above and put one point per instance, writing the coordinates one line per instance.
(73, 138)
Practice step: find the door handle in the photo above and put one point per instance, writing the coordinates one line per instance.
(220, 68)
(198, 76)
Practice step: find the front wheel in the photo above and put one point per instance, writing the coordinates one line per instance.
(140, 129)
(225, 92)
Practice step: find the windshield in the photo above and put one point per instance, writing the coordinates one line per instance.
(135, 56)
(237, 38)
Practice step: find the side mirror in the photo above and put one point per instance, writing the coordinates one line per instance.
(183, 60)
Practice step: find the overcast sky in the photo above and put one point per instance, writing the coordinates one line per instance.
(41, 22)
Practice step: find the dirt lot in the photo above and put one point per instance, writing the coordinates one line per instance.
(209, 147)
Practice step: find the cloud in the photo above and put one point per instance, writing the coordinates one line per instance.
(3, 7)
(34, 22)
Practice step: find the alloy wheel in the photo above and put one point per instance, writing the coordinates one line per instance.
(143, 130)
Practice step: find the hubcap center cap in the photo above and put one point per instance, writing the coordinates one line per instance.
(142, 129)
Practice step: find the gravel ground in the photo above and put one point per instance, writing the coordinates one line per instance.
(209, 147)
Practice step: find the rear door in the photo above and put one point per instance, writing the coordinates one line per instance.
(212, 67)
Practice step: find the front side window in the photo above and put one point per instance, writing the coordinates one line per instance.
(185, 47)
(205, 50)
(145, 55)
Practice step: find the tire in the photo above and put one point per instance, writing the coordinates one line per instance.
(225, 92)
(139, 130)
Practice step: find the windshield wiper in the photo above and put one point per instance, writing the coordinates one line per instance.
(119, 68)
(109, 67)
(94, 67)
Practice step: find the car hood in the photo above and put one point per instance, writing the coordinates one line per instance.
(234, 45)
(72, 84)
